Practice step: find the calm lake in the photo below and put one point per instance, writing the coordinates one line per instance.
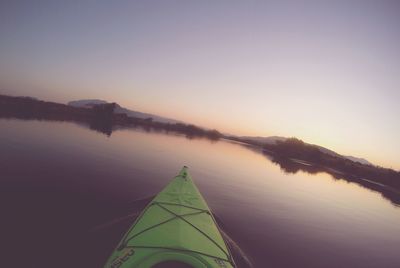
(68, 194)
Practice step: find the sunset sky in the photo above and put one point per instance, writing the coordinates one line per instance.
(327, 72)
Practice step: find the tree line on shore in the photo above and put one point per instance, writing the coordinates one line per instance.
(100, 117)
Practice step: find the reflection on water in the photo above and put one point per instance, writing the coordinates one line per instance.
(61, 181)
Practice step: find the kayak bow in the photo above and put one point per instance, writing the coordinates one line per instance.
(176, 226)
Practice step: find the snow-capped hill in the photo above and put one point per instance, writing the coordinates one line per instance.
(121, 110)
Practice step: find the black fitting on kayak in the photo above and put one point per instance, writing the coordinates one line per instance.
(184, 174)
(121, 247)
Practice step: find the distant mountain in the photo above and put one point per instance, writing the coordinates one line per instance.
(275, 139)
(89, 103)
(359, 160)
(327, 151)
(351, 158)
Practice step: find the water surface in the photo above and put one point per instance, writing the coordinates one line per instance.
(61, 181)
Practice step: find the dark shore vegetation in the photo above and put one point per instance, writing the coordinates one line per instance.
(292, 155)
(100, 118)
(297, 149)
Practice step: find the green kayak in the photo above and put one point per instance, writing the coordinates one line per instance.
(176, 228)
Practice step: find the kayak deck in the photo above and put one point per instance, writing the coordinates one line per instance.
(177, 225)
